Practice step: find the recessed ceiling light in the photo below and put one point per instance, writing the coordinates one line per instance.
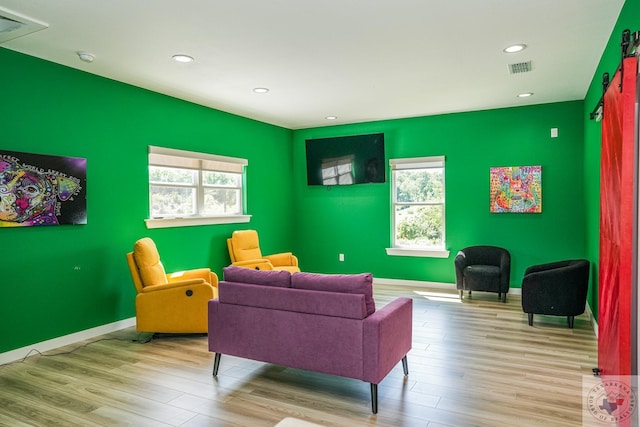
(331, 117)
(86, 56)
(182, 58)
(514, 48)
(261, 90)
(525, 95)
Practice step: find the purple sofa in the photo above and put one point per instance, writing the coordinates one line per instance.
(318, 322)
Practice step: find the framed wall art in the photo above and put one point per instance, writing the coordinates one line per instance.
(516, 189)
(38, 190)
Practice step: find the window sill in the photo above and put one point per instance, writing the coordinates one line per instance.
(425, 253)
(186, 222)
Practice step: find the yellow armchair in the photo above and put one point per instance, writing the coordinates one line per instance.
(244, 251)
(169, 303)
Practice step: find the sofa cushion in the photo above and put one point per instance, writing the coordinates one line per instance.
(344, 283)
(279, 278)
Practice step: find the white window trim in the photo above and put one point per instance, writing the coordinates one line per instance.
(415, 163)
(424, 253)
(186, 222)
(168, 222)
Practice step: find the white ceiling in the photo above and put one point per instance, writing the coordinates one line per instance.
(359, 60)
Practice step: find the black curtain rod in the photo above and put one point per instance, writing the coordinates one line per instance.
(628, 48)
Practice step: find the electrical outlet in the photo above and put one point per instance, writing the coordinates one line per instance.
(341, 257)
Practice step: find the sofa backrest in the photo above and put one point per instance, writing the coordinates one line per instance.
(330, 294)
(360, 284)
(350, 306)
(279, 278)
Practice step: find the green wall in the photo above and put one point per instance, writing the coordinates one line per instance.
(355, 220)
(50, 109)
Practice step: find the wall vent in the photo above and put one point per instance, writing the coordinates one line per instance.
(14, 25)
(520, 67)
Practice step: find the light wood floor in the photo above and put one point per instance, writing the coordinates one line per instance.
(475, 363)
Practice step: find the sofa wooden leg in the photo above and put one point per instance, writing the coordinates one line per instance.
(504, 297)
(374, 398)
(570, 319)
(405, 365)
(216, 364)
(461, 293)
(530, 319)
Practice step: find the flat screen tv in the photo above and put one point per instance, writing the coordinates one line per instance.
(346, 160)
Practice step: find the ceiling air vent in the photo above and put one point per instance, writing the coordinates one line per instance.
(7, 25)
(520, 67)
(13, 25)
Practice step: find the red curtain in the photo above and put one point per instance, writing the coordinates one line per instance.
(617, 224)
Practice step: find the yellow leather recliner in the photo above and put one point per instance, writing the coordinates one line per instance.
(169, 303)
(244, 251)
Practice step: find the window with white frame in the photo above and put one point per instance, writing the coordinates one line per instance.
(187, 185)
(418, 206)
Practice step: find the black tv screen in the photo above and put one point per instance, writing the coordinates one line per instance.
(346, 160)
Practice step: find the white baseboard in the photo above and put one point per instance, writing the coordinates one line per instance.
(30, 350)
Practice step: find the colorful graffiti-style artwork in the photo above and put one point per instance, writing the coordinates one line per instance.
(516, 189)
(34, 187)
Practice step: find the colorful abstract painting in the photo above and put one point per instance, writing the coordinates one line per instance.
(37, 190)
(516, 189)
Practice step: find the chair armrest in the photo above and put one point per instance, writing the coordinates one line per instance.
(173, 285)
(199, 273)
(460, 262)
(163, 302)
(387, 338)
(283, 259)
(256, 264)
(505, 270)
